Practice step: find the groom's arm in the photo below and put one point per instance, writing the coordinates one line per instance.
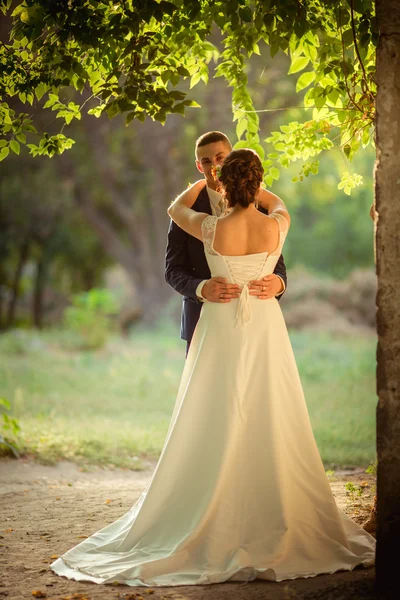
(280, 270)
(177, 265)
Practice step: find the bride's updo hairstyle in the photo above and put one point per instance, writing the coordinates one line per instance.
(241, 176)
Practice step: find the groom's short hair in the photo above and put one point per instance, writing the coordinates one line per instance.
(210, 138)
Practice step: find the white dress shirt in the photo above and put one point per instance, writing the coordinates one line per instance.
(215, 198)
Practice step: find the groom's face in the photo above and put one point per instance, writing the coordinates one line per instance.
(209, 156)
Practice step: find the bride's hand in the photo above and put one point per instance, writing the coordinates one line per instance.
(189, 196)
(198, 185)
(186, 199)
(270, 201)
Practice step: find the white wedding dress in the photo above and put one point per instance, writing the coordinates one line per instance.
(239, 491)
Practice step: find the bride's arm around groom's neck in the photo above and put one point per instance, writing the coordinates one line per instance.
(272, 203)
(181, 211)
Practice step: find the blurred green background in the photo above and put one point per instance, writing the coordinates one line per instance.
(90, 355)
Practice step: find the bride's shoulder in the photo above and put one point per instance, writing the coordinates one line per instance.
(275, 207)
(281, 217)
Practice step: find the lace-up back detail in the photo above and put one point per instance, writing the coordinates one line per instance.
(241, 269)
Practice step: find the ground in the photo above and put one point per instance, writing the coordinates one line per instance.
(48, 509)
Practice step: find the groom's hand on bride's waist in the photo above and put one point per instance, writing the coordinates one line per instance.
(218, 289)
(267, 287)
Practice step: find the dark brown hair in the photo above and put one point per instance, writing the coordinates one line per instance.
(210, 138)
(241, 176)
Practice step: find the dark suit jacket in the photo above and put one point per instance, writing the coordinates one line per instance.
(186, 266)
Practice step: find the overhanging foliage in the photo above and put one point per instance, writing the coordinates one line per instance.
(65, 57)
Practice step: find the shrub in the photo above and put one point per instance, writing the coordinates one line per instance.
(8, 425)
(89, 316)
(343, 306)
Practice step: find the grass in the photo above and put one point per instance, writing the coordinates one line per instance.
(112, 406)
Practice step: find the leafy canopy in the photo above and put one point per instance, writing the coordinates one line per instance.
(66, 57)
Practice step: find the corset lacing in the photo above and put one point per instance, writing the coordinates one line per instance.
(242, 269)
(241, 273)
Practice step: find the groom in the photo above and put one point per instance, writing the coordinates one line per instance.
(186, 268)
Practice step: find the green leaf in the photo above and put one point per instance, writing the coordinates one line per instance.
(347, 150)
(310, 51)
(258, 21)
(182, 71)
(179, 108)
(273, 49)
(165, 75)
(268, 180)
(312, 38)
(53, 98)
(230, 7)
(204, 76)
(269, 21)
(160, 116)
(112, 109)
(4, 152)
(175, 78)
(342, 16)
(298, 64)
(333, 96)
(96, 111)
(319, 98)
(40, 90)
(347, 37)
(167, 7)
(6, 403)
(15, 147)
(359, 6)
(259, 149)
(246, 14)
(195, 79)
(241, 144)
(24, 16)
(304, 80)
(177, 95)
(129, 117)
(241, 127)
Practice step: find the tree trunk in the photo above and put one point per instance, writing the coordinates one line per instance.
(88, 277)
(42, 269)
(146, 228)
(108, 236)
(2, 297)
(387, 193)
(23, 256)
(147, 299)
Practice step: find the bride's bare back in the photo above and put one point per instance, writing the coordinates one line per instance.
(246, 231)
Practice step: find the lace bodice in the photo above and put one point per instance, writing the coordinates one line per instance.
(241, 269)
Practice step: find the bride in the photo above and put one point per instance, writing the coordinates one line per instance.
(239, 491)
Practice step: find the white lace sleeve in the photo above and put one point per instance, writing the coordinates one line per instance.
(208, 232)
(283, 229)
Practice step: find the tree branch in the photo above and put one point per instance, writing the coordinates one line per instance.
(353, 27)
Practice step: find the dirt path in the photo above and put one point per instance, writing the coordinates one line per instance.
(45, 510)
